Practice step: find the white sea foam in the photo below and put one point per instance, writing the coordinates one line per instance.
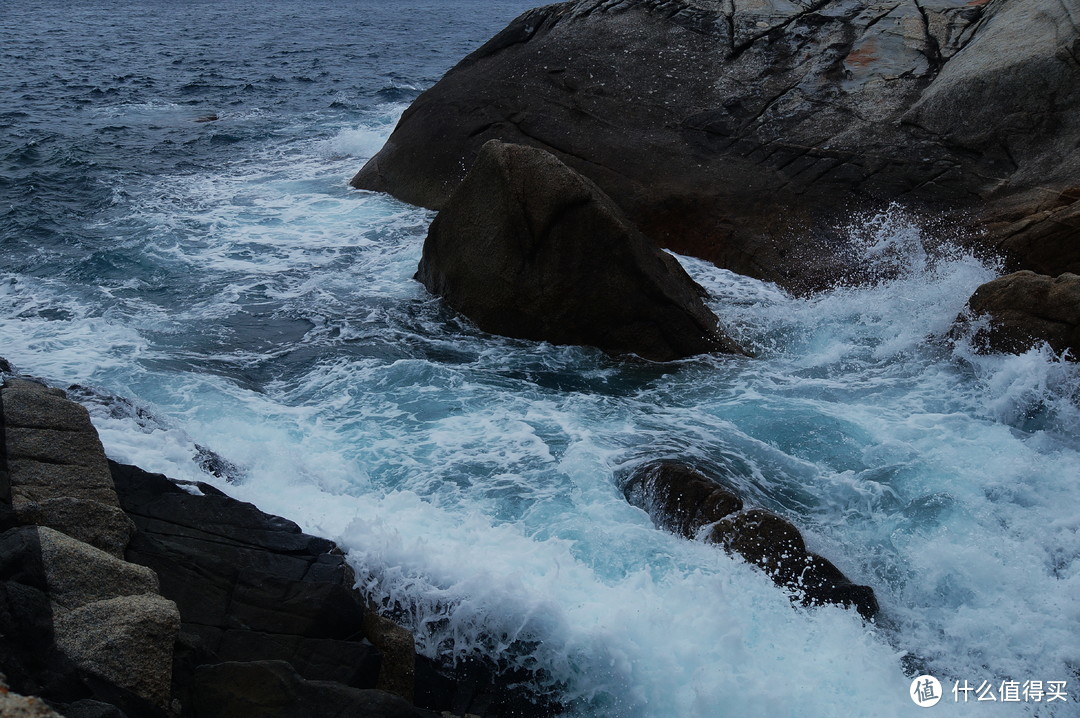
(363, 142)
(472, 478)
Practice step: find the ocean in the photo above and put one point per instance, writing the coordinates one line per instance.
(216, 286)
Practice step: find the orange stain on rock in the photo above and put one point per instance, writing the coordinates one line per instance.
(861, 57)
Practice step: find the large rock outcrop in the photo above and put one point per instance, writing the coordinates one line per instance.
(1024, 309)
(685, 501)
(85, 622)
(526, 247)
(743, 131)
(79, 626)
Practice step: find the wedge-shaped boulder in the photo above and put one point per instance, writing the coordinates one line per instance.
(526, 247)
(127, 640)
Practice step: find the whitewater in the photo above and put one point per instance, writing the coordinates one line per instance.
(217, 286)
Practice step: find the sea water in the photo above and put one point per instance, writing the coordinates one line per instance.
(223, 279)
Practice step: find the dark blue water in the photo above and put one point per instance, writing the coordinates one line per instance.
(223, 277)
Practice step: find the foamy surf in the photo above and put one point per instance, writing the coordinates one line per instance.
(253, 305)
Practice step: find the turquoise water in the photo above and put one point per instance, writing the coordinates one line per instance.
(224, 278)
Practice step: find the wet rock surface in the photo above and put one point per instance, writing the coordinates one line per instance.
(679, 498)
(744, 132)
(682, 499)
(526, 247)
(249, 586)
(1024, 309)
(274, 689)
(774, 544)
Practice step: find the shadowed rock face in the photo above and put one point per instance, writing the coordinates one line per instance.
(249, 586)
(528, 248)
(742, 131)
(273, 689)
(1025, 309)
(681, 499)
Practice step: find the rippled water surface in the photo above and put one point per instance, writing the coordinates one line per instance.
(222, 276)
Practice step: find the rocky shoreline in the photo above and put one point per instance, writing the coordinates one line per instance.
(125, 593)
(738, 133)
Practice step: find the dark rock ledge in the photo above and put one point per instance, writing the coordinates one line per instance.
(124, 593)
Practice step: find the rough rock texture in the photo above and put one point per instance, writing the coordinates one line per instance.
(727, 129)
(79, 574)
(79, 625)
(57, 468)
(43, 656)
(273, 689)
(13, 705)
(397, 645)
(249, 586)
(127, 640)
(526, 247)
(1024, 309)
(683, 500)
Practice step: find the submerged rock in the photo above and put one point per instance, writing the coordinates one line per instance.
(1025, 309)
(683, 500)
(678, 498)
(744, 132)
(774, 544)
(528, 248)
